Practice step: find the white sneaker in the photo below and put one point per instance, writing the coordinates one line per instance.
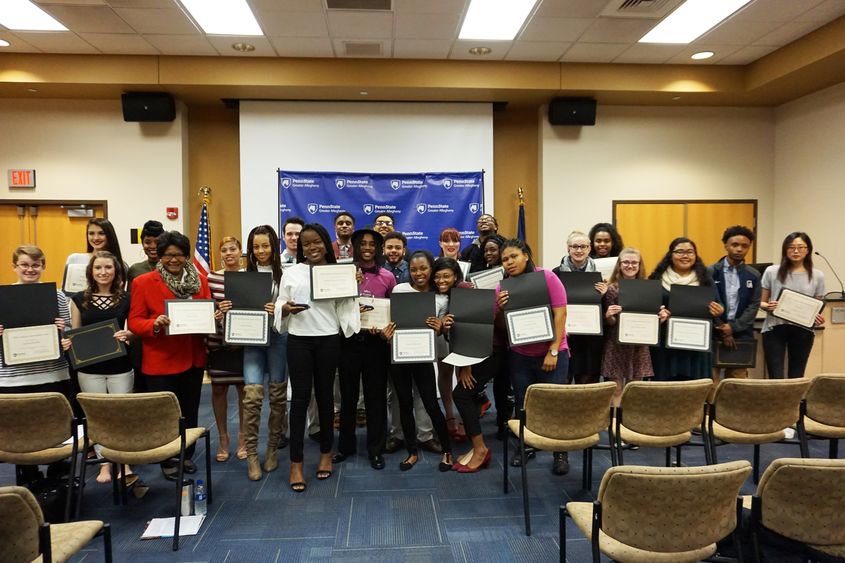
(789, 433)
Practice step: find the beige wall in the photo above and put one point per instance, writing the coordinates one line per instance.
(83, 150)
(653, 153)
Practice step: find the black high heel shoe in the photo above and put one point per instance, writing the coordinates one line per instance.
(446, 465)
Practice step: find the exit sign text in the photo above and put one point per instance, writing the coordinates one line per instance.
(21, 178)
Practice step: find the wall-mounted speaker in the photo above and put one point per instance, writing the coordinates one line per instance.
(572, 111)
(148, 106)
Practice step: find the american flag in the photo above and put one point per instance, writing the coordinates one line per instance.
(202, 259)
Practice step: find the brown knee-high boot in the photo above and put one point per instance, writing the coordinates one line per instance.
(253, 397)
(275, 424)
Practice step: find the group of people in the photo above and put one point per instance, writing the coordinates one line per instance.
(332, 363)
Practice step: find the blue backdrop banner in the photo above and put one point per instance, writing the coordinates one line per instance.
(422, 204)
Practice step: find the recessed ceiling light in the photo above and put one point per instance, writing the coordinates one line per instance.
(223, 17)
(243, 47)
(363, 92)
(675, 98)
(480, 51)
(4, 43)
(691, 20)
(33, 90)
(23, 15)
(495, 19)
(701, 55)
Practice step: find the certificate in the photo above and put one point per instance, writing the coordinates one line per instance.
(190, 316)
(413, 346)
(639, 328)
(94, 343)
(743, 356)
(583, 319)
(798, 308)
(247, 327)
(74, 279)
(28, 344)
(487, 279)
(527, 326)
(376, 317)
(689, 334)
(605, 266)
(333, 281)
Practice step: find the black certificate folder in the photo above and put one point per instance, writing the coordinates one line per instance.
(28, 304)
(691, 301)
(744, 356)
(472, 333)
(94, 343)
(410, 310)
(640, 296)
(526, 290)
(248, 290)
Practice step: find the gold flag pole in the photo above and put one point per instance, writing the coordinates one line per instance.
(205, 193)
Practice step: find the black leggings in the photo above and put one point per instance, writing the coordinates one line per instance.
(783, 340)
(312, 361)
(365, 356)
(491, 368)
(187, 386)
(404, 376)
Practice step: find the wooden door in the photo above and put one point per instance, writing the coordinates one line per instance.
(649, 227)
(707, 221)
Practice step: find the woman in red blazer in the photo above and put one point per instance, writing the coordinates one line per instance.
(170, 363)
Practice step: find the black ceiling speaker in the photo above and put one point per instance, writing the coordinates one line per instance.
(148, 106)
(572, 111)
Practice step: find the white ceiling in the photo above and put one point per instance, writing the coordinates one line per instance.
(558, 30)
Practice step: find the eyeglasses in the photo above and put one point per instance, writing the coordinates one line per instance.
(579, 246)
(384, 223)
(173, 257)
(683, 252)
(36, 266)
(797, 248)
(628, 264)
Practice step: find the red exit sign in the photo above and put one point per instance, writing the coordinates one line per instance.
(21, 178)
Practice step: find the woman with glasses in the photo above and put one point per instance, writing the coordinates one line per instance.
(681, 265)
(171, 362)
(780, 338)
(623, 363)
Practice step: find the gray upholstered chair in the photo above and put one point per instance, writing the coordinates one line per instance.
(39, 429)
(824, 416)
(141, 428)
(660, 514)
(24, 536)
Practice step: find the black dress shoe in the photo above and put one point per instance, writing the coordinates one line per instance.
(561, 463)
(339, 457)
(377, 462)
(189, 467)
(517, 459)
(393, 445)
(432, 445)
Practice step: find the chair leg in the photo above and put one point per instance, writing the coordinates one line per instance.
(179, 480)
(82, 472)
(584, 464)
(669, 457)
(505, 460)
(44, 544)
(208, 489)
(71, 487)
(678, 455)
(124, 500)
(834, 448)
(562, 532)
(619, 457)
(107, 542)
(595, 528)
(590, 469)
(756, 463)
(525, 507)
(114, 490)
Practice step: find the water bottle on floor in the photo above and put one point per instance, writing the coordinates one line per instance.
(200, 498)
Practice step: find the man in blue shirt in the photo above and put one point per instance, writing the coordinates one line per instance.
(394, 256)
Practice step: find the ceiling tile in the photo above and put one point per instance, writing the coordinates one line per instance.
(88, 19)
(429, 6)
(340, 47)
(427, 26)
(825, 12)
(285, 5)
(648, 53)
(593, 52)
(460, 50)
(618, 30)
(294, 24)
(223, 44)
(775, 10)
(16, 44)
(421, 48)
(120, 43)
(787, 33)
(158, 21)
(554, 29)
(736, 32)
(193, 45)
(746, 55)
(536, 51)
(56, 41)
(361, 25)
(303, 46)
(571, 8)
(719, 53)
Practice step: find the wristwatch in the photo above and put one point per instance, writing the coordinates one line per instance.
(553, 353)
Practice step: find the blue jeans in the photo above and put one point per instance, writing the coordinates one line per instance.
(527, 370)
(272, 360)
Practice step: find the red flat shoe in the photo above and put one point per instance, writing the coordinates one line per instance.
(482, 410)
(485, 463)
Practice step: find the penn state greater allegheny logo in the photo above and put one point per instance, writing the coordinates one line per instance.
(340, 183)
(447, 183)
(394, 184)
(421, 208)
(312, 208)
(286, 183)
(474, 207)
(368, 209)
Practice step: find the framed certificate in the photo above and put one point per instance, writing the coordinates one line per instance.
(411, 346)
(639, 328)
(375, 313)
(527, 326)
(190, 316)
(689, 334)
(487, 279)
(74, 278)
(333, 281)
(94, 343)
(743, 356)
(584, 319)
(27, 344)
(246, 327)
(798, 308)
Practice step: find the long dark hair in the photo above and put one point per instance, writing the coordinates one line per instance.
(116, 289)
(378, 258)
(522, 246)
(324, 236)
(445, 263)
(112, 242)
(786, 263)
(428, 257)
(275, 257)
(699, 268)
(615, 238)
